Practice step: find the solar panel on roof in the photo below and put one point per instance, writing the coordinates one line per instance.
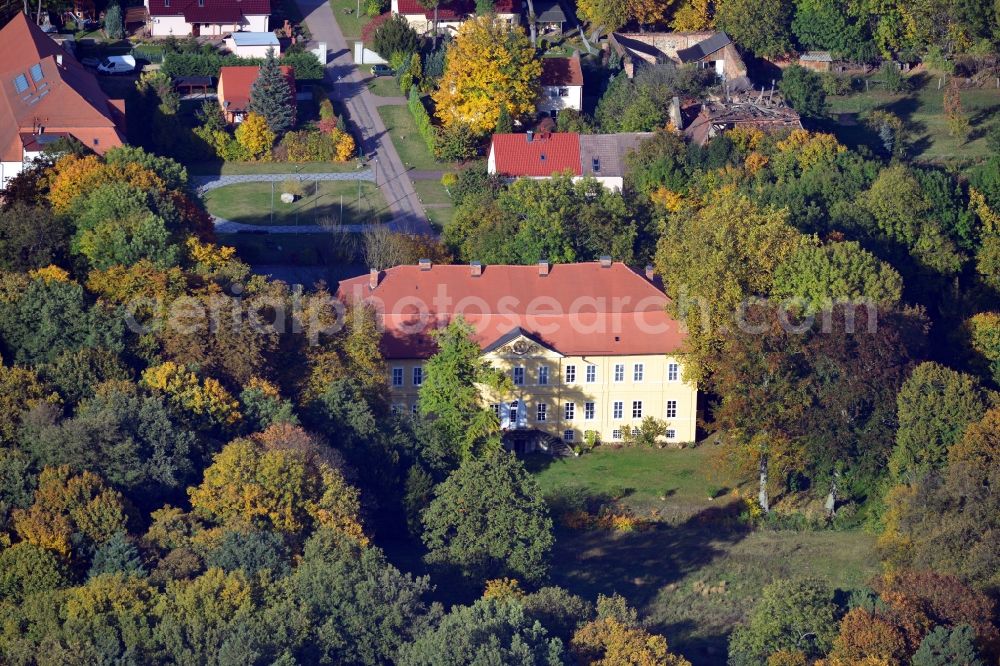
(36, 72)
(21, 83)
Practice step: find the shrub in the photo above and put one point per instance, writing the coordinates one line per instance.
(892, 78)
(255, 136)
(454, 143)
(345, 146)
(307, 146)
(294, 187)
(422, 119)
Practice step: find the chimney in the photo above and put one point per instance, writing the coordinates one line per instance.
(59, 59)
(675, 113)
(425, 264)
(530, 136)
(543, 268)
(605, 261)
(477, 268)
(373, 276)
(650, 272)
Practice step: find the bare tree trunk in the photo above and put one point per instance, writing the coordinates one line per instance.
(586, 42)
(831, 499)
(38, 15)
(434, 42)
(762, 496)
(532, 23)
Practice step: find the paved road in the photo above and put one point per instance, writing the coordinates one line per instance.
(348, 86)
(205, 183)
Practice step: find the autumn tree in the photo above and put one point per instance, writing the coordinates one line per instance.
(489, 65)
(255, 136)
(280, 479)
(602, 16)
(202, 403)
(488, 519)
(271, 97)
(616, 637)
(984, 334)
(954, 115)
(693, 15)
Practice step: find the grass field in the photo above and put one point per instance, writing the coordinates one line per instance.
(242, 168)
(351, 22)
(692, 539)
(431, 192)
(922, 110)
(250, 203)
(408, 142)
(384, 86)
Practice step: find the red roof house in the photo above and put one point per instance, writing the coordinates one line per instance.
(45, 94)
(562, 85)
(599, 308)
(535, 155)
(450, 13)
(235, 84)
(207, 17)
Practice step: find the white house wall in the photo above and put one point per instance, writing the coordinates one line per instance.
(164, 26)
(8, 170)
(550, 100)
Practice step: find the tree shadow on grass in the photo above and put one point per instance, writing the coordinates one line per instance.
(639, 564)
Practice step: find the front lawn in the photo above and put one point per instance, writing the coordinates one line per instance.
(383, 86)
(696, 570)
(350, 20)
(431, 191)
(409, 144)
(250, 203)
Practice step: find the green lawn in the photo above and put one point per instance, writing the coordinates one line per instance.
(250, 203)
(350, 21)
(693, 540)
(242, 168)
(408, 142)
(384, 86)
(431, 192)
(922, 111)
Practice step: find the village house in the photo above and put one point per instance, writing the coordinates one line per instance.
(562, 85)
(550, 18)
(450, 14)
(763, 111)
(235, 84)
(253, 44)
(589, 347)
(706, 49)
(206, 17)
(544, 155)
(46, 95)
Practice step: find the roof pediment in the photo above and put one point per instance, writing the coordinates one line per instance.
(518, 342)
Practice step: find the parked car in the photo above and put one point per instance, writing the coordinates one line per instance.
(117, 65)
(382, 70)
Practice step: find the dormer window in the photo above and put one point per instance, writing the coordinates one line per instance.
(543, 157)
(20, 83)
(201, 3)
(166, 3)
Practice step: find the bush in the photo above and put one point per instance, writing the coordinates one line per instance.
(175, 64)
(307, 146)
(454, 143)
(892, 78)
(293, 187)
(422, 119)
(835, 84)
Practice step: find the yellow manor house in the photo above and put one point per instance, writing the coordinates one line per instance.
(588, 346)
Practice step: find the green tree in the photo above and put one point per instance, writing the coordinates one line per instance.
(395, 36)
(117, 555)
(173, 173)
(111, 619)
(31, 237)
(27, 569)
(803, 88)
(251, 552)
(76, 373)
(114, 25)
(948, 647)
(825, 25)
(559, 611)
(505, 124)
(984, 336)
(271, 96)
(934, 407)
(819, 275)
(450, 397)
(791, 615)
(488, 520)
(490, 631)
(17, 483)
(761, 26)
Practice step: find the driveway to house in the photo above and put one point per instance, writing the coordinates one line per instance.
(348, 87)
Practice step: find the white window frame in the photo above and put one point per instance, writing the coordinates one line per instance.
(591, 374)
(673, 372)
(418, 375)
(512, 411)
(670, 433)
(543, 375)
(542, 412)
(588, 411)
(618, 409)
(517, 374)
(619, 372)
(569, 411)
(616, 434)
(398, 376)
(671, 410)
(637, 409)
(567, 435)
(495, 407)
(570, 374)
(638, 371)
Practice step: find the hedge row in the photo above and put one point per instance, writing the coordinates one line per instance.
(305, 64)
(422, 118)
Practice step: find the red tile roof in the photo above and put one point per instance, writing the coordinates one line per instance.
(63, 98)
(236, 82)
(562, 71)
(214, 11)
(541, 157)
(576, 309)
